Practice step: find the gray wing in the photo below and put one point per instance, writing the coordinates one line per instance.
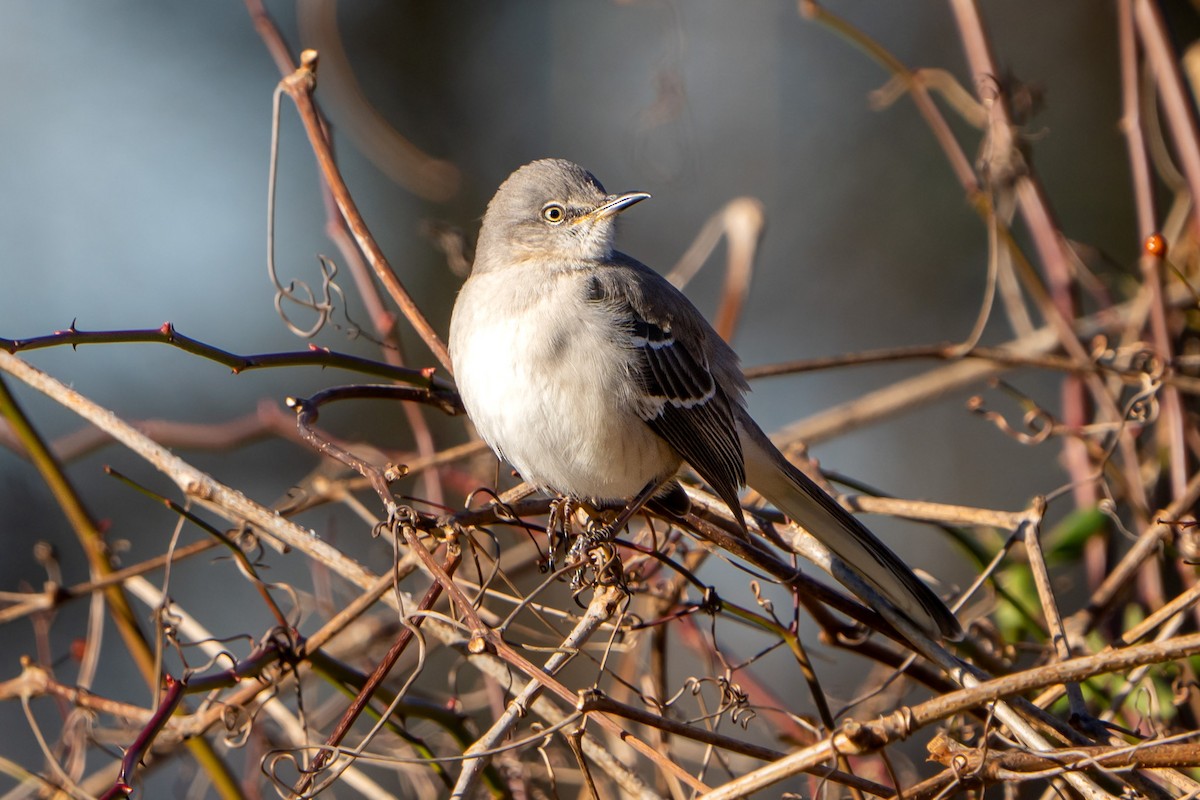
(686, 404)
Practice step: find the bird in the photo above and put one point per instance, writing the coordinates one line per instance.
(597, 379)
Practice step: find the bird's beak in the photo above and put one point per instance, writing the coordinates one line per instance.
(615, 204)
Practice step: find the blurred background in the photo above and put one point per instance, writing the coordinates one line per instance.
(134, 145)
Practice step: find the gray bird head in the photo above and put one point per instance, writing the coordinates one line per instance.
(550, 209)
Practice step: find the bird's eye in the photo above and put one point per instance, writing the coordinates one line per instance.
(554, 213)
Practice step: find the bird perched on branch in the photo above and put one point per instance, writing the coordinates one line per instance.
(597, 379)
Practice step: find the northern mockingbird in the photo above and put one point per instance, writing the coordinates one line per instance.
(597, 379)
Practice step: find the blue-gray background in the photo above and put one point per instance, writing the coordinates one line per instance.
(133, 169)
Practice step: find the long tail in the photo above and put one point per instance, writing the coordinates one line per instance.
(805, 503)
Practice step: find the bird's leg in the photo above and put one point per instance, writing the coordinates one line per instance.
(583, 548)
(557, 529)
(635, 505)
(608, 531)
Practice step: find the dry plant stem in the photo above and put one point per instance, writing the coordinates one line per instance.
(197, 724)
(58, 777)
(1000, 260)
(420, 173)
(382, 669)
(1047, 240)
(237, 508)
(35, 681)
(55, 596)
(869, 736)
(811, 593)
(1031, 536)
(1000, 356)
(1151, 263)
(166, 334)
(737, 212)
(909, 393)
(272, 39)
(600, 754)
(266, 422)
(1131, 122)
(443, 401)
(481, 635)
(794, 644)
(574, 741)
(1170, 433)
(100, 568)
(299, 86)
(1133, 681)
(939, 80)
(656, 681)
(169, 701)
(744, 231)
(1148, 543)
(90, 539)
(742, 221)
(1012, 297)
(306, 415)
(994, 765)
(307, 412)
(1152, 31)
(479, 631)
(313, 123)
(196, 485)
(245, 566)
(383, 320)
(940, 513)
(1045, 233)
(809, 590)
(596, 701)
(604, 602)
(323, 490)
(1073, 390)
(963, 674)
(967, 767)
(385, 329)
(251, 674)
(492, 513)
(1179, 604)
(356, 608)
(915, 86)
(30, 782)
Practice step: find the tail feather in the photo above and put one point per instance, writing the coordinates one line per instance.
(805, 503)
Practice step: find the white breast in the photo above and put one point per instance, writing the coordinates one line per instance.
(542, 385)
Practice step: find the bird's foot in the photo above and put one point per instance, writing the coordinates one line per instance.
(596, 536)
(558, 531)
(604, 562)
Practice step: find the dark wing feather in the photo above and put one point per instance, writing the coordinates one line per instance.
(684, 405)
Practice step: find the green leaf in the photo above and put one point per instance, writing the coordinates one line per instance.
(1066, 540)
